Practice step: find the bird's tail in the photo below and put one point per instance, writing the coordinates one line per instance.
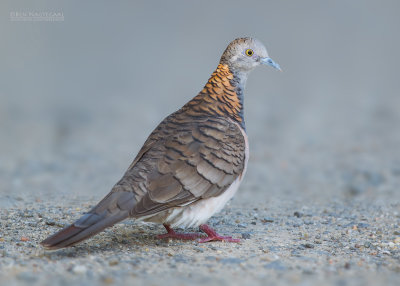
(114, 208)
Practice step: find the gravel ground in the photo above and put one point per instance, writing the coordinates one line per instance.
(282, 242)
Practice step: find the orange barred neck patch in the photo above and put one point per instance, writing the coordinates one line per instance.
(220, 96)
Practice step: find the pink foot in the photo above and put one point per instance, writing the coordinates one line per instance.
(176, 235)
(212, 235)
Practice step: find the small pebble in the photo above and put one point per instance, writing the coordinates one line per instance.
(297, 224)
(79, 269)
(246, 235)
(362, 225)
(297, 214)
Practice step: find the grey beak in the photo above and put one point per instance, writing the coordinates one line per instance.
(270, 62)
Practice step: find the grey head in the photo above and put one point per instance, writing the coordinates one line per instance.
(244, 54)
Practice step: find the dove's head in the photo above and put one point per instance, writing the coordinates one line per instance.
(244, 54)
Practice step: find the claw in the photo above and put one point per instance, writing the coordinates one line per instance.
(176, 235)
(219, 238)
(212, 235)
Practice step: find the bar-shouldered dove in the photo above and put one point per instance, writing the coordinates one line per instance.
(190, 166)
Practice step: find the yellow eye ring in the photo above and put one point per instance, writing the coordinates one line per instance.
(249, 52)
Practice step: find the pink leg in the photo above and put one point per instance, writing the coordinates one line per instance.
(212, 235)
(172, 234)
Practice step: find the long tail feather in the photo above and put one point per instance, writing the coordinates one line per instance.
(114, 208)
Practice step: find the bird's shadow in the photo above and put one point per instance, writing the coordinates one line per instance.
(132, 238)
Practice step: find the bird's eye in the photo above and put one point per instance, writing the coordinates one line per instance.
(249, 52)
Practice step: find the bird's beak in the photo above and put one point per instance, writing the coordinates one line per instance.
(270, 62)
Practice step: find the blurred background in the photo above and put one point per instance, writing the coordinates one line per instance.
(79, 96)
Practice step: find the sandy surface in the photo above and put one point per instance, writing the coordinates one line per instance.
(283, 242)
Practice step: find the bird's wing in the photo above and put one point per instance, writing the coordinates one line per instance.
(181, 162)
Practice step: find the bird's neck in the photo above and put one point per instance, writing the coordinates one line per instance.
(221, 96)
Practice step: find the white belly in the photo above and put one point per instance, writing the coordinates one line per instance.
(199, 212)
